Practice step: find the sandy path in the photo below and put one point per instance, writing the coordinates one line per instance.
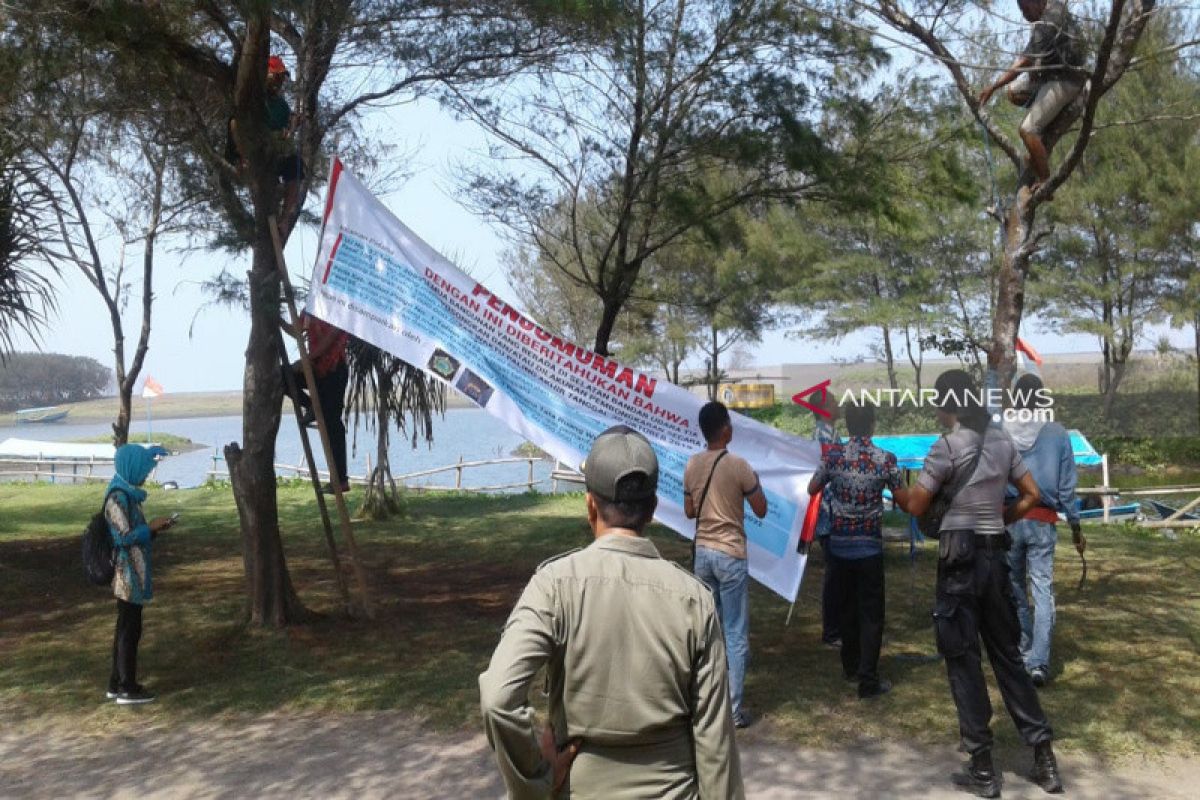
(387, 756)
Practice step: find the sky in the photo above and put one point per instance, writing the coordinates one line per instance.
(193, 348)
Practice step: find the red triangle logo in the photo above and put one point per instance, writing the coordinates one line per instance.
(822, 389)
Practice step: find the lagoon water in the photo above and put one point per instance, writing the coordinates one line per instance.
(469, 433)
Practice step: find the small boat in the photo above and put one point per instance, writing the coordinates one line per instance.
(1165, 511)
(45, 414)
(1126, 512)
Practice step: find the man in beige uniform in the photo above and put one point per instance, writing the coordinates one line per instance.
(638, 690)
(716, 487)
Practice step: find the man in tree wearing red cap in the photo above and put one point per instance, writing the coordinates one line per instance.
(281, 122)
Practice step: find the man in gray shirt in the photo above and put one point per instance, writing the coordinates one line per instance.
(974, 599)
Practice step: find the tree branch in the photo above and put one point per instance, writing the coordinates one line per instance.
(1112, 59)
(890, 13)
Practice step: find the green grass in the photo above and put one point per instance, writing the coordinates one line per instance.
(185, 405)
(446, 577)
(174, 405)
(171, 441)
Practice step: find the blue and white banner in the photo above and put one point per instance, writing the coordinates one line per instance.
(376, 279)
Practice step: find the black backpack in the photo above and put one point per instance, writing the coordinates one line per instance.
(99, 555)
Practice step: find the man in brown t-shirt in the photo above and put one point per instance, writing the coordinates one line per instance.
(716, 486)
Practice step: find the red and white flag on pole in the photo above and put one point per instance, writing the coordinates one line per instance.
(1025, 355)
(152, 388)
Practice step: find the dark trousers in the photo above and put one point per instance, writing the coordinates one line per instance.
(830, 617)
(975, 602)
(861, 606)
(125, 647)
(331, 390)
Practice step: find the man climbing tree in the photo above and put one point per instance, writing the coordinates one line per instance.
(1122, 23)
(281, 122)
(1046, 77)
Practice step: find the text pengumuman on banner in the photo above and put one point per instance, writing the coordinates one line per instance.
(376, 279)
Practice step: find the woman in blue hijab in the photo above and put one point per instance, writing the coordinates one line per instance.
(132, 578)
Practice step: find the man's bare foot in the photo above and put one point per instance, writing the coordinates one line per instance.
(1033, 189)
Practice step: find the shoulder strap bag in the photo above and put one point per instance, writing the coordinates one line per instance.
(700, 505)
(930, 523)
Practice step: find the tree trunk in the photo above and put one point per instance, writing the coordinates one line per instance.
(608, 320)
(714, 376)
(1019, 243)
(381, 501)
(1196, 340)
(918, 360)
(889, 357)
(130, 376)
(1114, 383)
(124, 413)
(271, 599)
(127, 379)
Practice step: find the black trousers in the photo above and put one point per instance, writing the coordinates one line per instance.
(331, 390)
(975, 602)
(830, 591)
(125, 647)
(861, 609)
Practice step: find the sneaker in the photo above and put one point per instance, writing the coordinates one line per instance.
(1040, 675)
(328, 488)
(115, 689)
(871, 692)
(833, 644)
(743, 719)
(136, 697)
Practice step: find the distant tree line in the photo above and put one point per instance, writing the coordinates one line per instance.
(29, 380)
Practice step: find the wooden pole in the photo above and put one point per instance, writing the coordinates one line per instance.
(1105, 501)
(310, 379)
(1176, 520)
(292, 390)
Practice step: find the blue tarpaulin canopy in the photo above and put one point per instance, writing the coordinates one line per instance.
(910, 449)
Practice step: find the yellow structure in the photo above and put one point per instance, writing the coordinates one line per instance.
(747, 395)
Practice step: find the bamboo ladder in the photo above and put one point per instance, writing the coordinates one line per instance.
(311, 383)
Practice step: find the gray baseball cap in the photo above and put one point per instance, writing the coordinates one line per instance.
(617, 454)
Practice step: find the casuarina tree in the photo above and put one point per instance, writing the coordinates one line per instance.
(929, 27)
(206, 64)
(615, 138)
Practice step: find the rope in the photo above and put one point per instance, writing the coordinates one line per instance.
(991, 166)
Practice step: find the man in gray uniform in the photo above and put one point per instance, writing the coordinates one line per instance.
(973, 598)
(638, 686)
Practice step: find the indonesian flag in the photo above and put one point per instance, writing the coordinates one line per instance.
(1024, 349)
(152, 388)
